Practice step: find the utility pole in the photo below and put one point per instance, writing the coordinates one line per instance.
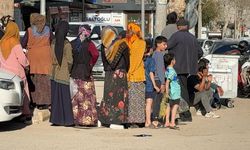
(199, 19)
(235, 21)
(143, 18)
(43, 7)
(83, 10)
(160, 16)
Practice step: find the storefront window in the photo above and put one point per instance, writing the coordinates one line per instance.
(136, 18)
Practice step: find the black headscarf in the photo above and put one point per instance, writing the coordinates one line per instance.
(61, 33)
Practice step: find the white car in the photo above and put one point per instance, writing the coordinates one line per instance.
(95, 27)
(11, 96)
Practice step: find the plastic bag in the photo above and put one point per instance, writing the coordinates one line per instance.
(183, 106)
(163, 106)
(73, 87)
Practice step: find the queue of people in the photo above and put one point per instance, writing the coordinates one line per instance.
(136, 74)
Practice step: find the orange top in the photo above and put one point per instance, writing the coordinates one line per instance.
(39, 53)
(137, 47)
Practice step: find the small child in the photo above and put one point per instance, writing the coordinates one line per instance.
(173, 89)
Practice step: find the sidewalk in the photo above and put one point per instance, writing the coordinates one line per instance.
(230, 132)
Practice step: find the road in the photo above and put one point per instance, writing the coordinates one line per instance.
(230, 132)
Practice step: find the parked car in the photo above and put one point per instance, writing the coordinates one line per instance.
(11, 91)
(205, 44)
(95, 27)
(223, 46)
(98, 70)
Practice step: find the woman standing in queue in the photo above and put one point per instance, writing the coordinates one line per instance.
(37, 41)
(115, 57)
(13, 59)
(61, 107)
(85, 55)
(136, 76)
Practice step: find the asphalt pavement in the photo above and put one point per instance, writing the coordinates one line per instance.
(230, 132)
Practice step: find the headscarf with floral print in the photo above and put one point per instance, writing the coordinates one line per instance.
(113, 46)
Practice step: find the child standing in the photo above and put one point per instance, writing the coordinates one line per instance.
(161, 45)
(173, 89)
(149, 65)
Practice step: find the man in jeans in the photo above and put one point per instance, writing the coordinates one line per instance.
(199, 88)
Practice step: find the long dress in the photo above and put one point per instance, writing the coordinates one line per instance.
(84, 103)
(84, 95)
(113, 109)
(61, 106)
(39, 56)
(114, 106)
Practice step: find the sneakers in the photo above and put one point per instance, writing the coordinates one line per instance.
(198, 112)
(211, 115)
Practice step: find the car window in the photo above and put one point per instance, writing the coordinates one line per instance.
(225, 48)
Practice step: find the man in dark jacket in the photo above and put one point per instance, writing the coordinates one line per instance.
(187, 51)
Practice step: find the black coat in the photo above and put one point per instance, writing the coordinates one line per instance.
(187, 51)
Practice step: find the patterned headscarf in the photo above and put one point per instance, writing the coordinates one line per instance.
(112, 44)
(10, 39)
(84, 29)
(38, 21)
(136, 33)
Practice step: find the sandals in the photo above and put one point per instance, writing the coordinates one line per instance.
(151, 126)
(174, 127)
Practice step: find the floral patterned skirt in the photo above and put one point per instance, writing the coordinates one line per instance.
(84, 103)
(113, 109)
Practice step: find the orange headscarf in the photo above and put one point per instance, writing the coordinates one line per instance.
(136, 33)
(10, 39)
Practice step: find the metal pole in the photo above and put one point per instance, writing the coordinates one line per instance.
(83, 10)
(199, 19)
(143, 18)
(43, 7)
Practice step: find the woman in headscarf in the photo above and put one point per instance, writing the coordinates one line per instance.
(37, 40)
(136, 75)
(14, 60)
(85, 55)
(61, 107)
(115, 57)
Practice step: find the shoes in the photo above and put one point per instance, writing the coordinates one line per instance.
(174, 127)
(116, 126)
(198, 112)
(211, 115)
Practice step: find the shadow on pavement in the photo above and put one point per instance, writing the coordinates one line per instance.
(11, 126)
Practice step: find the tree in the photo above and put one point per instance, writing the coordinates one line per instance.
(210, 11)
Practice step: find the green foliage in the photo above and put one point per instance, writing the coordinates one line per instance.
(210, 11)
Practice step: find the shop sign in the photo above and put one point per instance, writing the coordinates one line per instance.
(117, 18)
(115, 1)
(64, 0)
(99, 17)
